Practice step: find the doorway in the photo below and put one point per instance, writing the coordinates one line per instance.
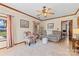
(67, 29)
(36, 27)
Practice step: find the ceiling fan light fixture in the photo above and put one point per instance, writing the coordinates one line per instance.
(45, 11)
(44, 14)
(44, 7)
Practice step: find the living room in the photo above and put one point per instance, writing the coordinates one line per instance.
(48, 28)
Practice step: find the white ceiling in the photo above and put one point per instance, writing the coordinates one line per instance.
(59, 9)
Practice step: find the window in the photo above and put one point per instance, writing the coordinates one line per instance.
(3, 29)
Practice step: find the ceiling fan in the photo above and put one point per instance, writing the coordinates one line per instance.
(45, 12)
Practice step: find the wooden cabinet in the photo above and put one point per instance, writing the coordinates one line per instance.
(75, 45)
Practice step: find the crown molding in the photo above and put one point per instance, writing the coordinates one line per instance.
(18, 11)
(63, 16)
(59, 17)
(76, 11)
(3, 16)
(35, 17)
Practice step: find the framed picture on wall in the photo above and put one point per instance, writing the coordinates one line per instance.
(24, 23)
(50, 25)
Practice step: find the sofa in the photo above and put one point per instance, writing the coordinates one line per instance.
(55, 36)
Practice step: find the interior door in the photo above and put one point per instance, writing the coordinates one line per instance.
(70, 29)
(78, 22)
(36, 27)
(63, 29)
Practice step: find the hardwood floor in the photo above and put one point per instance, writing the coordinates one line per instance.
(51, 49)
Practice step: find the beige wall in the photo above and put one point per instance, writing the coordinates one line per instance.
(18, 33)
(57, 23)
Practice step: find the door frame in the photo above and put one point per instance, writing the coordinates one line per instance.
(9, 31)
(9, 41)
(70, 28)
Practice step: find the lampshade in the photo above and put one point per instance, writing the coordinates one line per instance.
(76, 31)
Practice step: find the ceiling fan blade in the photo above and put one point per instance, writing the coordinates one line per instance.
(51, 13)
(38, 14)
(49, 8)
(38, 10)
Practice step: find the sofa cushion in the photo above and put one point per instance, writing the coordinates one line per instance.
(55, 36)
